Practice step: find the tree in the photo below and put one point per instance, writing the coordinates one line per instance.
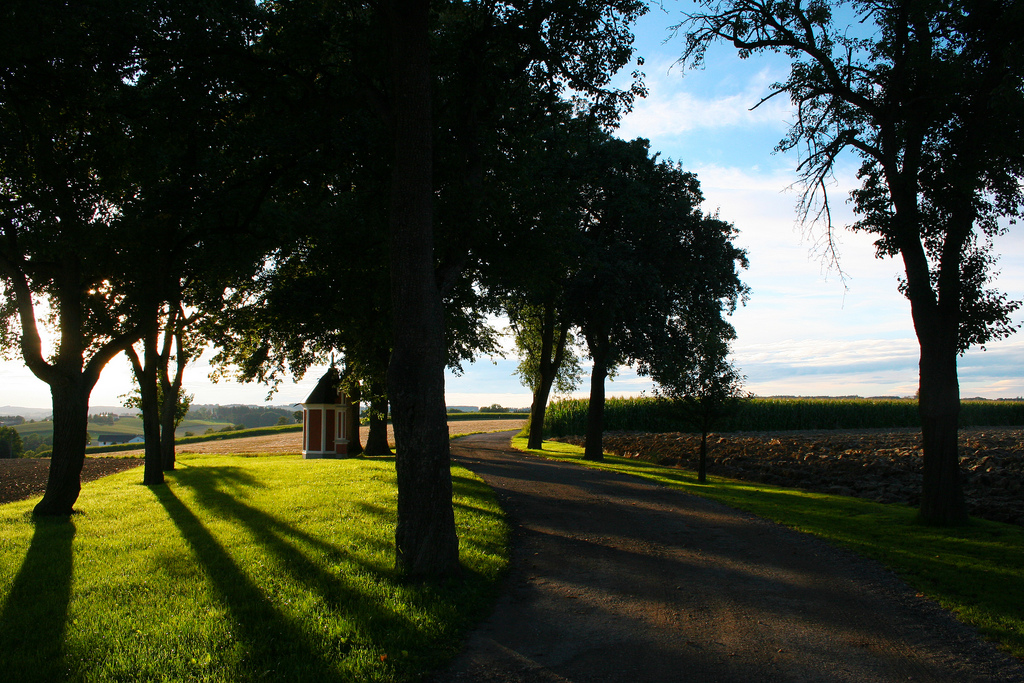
(548, 360)
(425, 539)
(205, 160)
(65, 78)
(932, 101)
(542, 183)
(10, 443)
(653, 266)
(175, 402)
(111, 145)
(472, 60)
(531, 39)
(696, 373)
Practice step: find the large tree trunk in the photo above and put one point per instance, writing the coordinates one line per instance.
(377, 439)
(942, 497)
(552, 353)
(70, 386)
(70, 420)
(168, 414)
(594, 448)
(171, 388)
(425, 538)
(937, 324)
(149, 396)
(535, 433)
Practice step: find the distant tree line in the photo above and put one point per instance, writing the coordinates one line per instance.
(247, 416)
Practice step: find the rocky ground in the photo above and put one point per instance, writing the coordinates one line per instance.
(882, 465)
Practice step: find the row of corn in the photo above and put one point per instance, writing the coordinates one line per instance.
(651, 414)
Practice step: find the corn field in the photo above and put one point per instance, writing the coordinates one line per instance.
(649, 414)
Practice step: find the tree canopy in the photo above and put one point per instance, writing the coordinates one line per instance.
(930, 95)
(294, 179)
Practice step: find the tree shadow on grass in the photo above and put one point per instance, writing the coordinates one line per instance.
(375, 623)
(35, 613)
(274, 646)
(221, 490)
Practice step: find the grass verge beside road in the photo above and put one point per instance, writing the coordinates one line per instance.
(976, 571)
(269, 568)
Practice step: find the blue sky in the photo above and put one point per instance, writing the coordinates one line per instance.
(805, 331)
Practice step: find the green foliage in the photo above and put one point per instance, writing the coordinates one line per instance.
(248, 416)
(976, 571)
(700, 377)
(239, 569)
(10, 443)
(647, 414)
(655, 269)
(937, 176)
(527, 329)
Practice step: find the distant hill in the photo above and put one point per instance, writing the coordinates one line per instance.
(27, 413)
(42, 413)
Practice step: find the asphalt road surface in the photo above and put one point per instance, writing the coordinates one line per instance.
(616, 579)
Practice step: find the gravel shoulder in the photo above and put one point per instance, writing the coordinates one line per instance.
(616, 579)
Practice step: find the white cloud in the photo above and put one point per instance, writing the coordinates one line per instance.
(672, 109)
(871, 367)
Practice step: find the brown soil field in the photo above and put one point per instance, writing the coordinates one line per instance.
(291, 442)
(879, 464)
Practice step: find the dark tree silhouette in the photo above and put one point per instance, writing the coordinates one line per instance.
(932, 100)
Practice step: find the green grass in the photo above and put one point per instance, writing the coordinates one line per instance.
(976, 571)
(240, 569)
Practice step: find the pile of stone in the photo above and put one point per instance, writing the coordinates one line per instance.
(881, 465)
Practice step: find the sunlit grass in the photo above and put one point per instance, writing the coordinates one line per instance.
(976, 571)
(270, 568)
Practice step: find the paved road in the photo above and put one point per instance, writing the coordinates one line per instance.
(615, 579)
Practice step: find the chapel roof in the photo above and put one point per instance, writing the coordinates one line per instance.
(326, 390)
